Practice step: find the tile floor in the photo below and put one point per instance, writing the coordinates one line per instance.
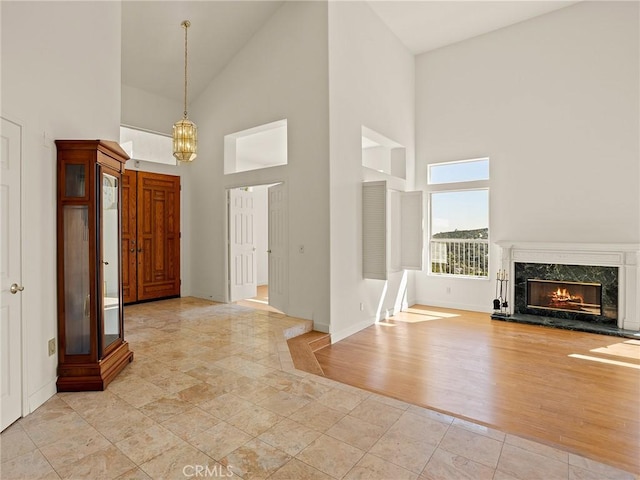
(212, 393)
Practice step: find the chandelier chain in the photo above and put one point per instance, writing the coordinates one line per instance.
(186, 24)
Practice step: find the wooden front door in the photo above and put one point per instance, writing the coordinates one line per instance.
(151, 233)
(129, 237)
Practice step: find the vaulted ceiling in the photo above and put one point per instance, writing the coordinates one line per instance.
(153, 40)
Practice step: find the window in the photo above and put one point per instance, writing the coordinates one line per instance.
(455, 172)
(459, 218)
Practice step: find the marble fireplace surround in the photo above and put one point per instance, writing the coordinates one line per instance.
(623, 256)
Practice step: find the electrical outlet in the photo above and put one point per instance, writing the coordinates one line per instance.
(52, 346)
(448, 290)
(361, 307)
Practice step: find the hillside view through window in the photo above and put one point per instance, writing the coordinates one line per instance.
(459, 220)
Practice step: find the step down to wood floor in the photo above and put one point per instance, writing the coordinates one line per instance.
(302, 348)
(320, 342)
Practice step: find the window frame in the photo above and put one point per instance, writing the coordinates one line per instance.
(457, 162)
(452, 187)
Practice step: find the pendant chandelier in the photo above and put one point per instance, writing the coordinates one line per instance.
(185, 132)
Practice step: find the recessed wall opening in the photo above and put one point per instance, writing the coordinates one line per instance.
(383, 154)
(146, 145)
(259, 147)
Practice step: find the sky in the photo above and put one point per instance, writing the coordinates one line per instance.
(462, 209)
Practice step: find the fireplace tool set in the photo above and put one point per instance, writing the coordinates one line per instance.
(500, 303)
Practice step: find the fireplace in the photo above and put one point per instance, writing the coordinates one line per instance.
(565, 296)
(587, 293)
(578, 286)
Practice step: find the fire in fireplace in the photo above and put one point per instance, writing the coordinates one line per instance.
(580, 297)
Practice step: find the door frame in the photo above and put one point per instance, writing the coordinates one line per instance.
(24, 392)
(227, 232)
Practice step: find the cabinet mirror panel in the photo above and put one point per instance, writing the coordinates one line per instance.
(111, 259)
(75, 180)
(77, 298)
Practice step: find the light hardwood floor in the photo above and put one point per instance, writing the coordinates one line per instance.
(578, 391)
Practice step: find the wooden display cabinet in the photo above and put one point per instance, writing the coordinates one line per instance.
(91, 346)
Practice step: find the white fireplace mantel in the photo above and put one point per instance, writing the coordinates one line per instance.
(625, 256)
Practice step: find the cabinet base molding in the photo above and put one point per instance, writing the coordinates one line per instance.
(93, 376)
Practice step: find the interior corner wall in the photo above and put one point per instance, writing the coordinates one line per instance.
(282, 72)
(554, 102)
(371, 84)
(148, 111)
(60, 80)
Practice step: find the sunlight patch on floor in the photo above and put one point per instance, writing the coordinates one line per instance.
(605, 360)
(421, 311)
(255, 300)
(417, 315)
(623, 349)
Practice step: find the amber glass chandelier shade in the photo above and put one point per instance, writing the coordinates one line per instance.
(185, 140)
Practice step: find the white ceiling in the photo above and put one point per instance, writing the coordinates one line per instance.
(427, 25)
(153, 40)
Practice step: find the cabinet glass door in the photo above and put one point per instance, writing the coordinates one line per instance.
(77, 299)
(110, 260)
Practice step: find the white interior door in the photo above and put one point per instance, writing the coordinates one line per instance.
(242, 246)
(10, 275)
(278, 251)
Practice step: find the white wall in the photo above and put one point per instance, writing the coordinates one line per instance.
(148, 111)
(280, 73)
(60, 78)
(371, 85)
(554, 102)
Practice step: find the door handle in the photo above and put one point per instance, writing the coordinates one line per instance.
(15, 288)
(269, 251)
(139, 250)
(132, 250)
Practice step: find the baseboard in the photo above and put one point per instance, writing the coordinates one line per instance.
(42, 395)
(346, 332)
(207, 296)
(384, 314)
(321, 327)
